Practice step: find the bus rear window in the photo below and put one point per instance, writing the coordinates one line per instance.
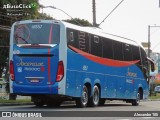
(37, 33)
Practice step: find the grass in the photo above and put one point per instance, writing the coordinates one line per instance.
(16, 101)
(157, 96)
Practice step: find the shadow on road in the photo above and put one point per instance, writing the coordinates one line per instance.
(68, 106)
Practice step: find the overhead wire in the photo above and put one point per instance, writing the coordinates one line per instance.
(111, 12)
(156, 45)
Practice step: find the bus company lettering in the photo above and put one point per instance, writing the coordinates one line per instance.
(131, 74)
(35, 64)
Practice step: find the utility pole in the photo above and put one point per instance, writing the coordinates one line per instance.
(149, 52)
(149, 43)
(94, 12)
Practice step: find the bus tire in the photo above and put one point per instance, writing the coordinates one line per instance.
(136, 101)
(94, 100)
(54, 104)
(102, 102)
(83, 100)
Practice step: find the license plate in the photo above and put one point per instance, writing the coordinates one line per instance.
(34, 81)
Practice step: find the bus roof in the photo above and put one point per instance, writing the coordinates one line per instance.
(100, 32)
(91, 30)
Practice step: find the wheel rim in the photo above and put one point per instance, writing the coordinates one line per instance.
(96, 95)
(138, 98)
(85, 96)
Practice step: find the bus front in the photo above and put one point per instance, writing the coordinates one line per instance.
(34, 57)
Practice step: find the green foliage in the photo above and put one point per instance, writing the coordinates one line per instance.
(32, 13)
(4, 51)
(155, 96)
(20, 101)
(76, 21)
(44, 16)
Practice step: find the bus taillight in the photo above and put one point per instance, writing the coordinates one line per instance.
(60, 71)
(11, 70)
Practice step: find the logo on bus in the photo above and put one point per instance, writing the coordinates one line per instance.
(19, 69)
(34, 64)
(131, 74)
(85, 67)
(40, 69)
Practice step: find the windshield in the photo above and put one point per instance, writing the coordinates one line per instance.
(37, 33)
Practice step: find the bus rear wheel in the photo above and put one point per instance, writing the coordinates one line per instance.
(94, 100)
(102, 102)
(83, 100)
(136, 101)
(38, 101)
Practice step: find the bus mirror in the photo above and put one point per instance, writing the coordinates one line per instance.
(152, 64)
(152, 67)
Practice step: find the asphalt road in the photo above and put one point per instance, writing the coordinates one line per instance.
(117, 110)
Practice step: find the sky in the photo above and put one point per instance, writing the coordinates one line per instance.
(131, 19)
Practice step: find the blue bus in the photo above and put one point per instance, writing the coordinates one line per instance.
(54, 61)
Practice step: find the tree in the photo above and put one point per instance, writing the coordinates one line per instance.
(5, 20)
(76, 21)
(8, 20)
(44, 16)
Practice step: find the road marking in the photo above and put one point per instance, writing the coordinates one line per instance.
(148, 117)
(123, 119)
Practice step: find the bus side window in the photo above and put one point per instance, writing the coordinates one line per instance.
(72, 38)
(143, 58)
(136, 54)
(83, 39)
(127, 51)
(107, 48)
(96, 39)
(96, 45)
(118, 53)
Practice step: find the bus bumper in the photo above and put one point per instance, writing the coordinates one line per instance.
(25, 89)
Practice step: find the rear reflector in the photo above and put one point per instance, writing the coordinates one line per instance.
(60, 71)
(11, 70)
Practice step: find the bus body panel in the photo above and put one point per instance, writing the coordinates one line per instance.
(33, 68)
(35, 65)
(114, 81)
(63, 57)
